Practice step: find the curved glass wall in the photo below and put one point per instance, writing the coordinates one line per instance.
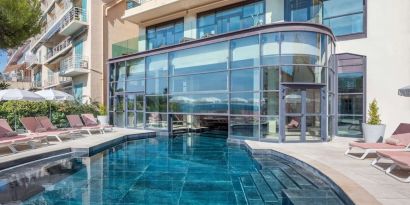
(260, 82)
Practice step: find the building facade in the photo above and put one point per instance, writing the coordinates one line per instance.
(274, 70)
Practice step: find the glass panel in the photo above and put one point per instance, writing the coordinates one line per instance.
(270, 103)
(119, 119)
(244, 127)
(350, 79)
(111, 118)
(135, 69)
(165, 35)
(203, 103)
(301, 48)
(201, 82)
(120, 73)
(303, 74)
(313, 101)
(131, 119)
(341, 7)
(139, 102)
(245, 80)
(156, 103)
(304, 11)
(136, 86)
(270, 77)
(351, 104)
(293, 128)
(111, 89)
(111, 104)
(119, 103)
(245, 103)
(293, 101)
(245, 52)
(313, 131)
(140, 119)
(156, 120)
(270, 49)
(200, 59)
(131, 102)
(350, 125)
(157, 66)
(157, 86)
(112, 72)
(120, 86)
(270, 128)
(346, 25)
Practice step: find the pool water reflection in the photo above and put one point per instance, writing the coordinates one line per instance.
(187, 169)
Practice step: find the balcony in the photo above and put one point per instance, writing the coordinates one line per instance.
(58, 50)
(73, 66)
(57, 81)
(139, 11)
(73, 21)
(127, 47)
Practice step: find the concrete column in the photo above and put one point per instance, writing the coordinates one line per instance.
(274, 11)
(190, 26)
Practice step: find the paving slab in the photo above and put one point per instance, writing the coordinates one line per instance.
(363, 183)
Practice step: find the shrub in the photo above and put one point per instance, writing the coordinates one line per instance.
(102, 110)
(11, 110)
(374, 117)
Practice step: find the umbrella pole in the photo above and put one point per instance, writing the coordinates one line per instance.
(15, 116)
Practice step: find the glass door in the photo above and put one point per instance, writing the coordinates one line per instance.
(134, 110)
(302, 115)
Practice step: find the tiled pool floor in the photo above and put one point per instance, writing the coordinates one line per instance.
(188, 169)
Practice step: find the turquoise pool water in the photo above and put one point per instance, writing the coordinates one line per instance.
(188, 169)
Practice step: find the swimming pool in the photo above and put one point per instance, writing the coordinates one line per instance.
(187, 169)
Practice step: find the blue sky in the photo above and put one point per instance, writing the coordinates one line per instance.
(3, 60)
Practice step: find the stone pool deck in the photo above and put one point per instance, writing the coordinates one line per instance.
(363, 183)
(86, 144)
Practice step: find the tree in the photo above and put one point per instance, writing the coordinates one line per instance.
(19, 20)
(374, 117)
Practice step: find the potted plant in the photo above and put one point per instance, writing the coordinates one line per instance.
(373, 130)
(102, 115)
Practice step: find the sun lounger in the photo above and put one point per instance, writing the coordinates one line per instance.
(34, 127)
(48, 125)
(75, 122)
(400, 140)
(10, 139)
(400, 160)
(90, 121)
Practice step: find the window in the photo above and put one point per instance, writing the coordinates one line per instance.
(157, 86)
(157, 66)
(200, 83)
(351, 104)
(304, 11)
(135, 69)
(199, 103)
(165, 34)
(245, 52)
(245, 80)
(156, 103)
(232, 19)
(344, 17)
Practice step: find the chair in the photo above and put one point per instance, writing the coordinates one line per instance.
(48, 125)
(91, 121)
(400, 140)
(75, 122)
(9, 138)
(399, 160)
(33, 126)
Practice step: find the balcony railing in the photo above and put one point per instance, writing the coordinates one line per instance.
(57, 80)
(134, 3)
(36, 84)
(127, 47)
(58, 48)
(74, 65)
(75, 14)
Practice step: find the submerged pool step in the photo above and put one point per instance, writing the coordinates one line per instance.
(300, 180)
(266, 193)
(284, 179)
(310, 196)
(251, 192)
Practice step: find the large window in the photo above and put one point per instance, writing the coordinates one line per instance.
(165, 34)
(232, 19)
(344, 17)
(351, 95)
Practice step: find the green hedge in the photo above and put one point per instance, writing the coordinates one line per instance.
(59, 111)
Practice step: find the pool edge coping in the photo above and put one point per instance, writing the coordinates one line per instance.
(341, 183)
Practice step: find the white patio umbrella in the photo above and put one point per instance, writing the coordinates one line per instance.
(18, 95)
(405, 91)
(55, 95)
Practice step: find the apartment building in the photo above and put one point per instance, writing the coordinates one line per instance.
(272, 70)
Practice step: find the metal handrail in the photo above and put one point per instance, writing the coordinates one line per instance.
(75, 13)
(75, 62)
(59, 47)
